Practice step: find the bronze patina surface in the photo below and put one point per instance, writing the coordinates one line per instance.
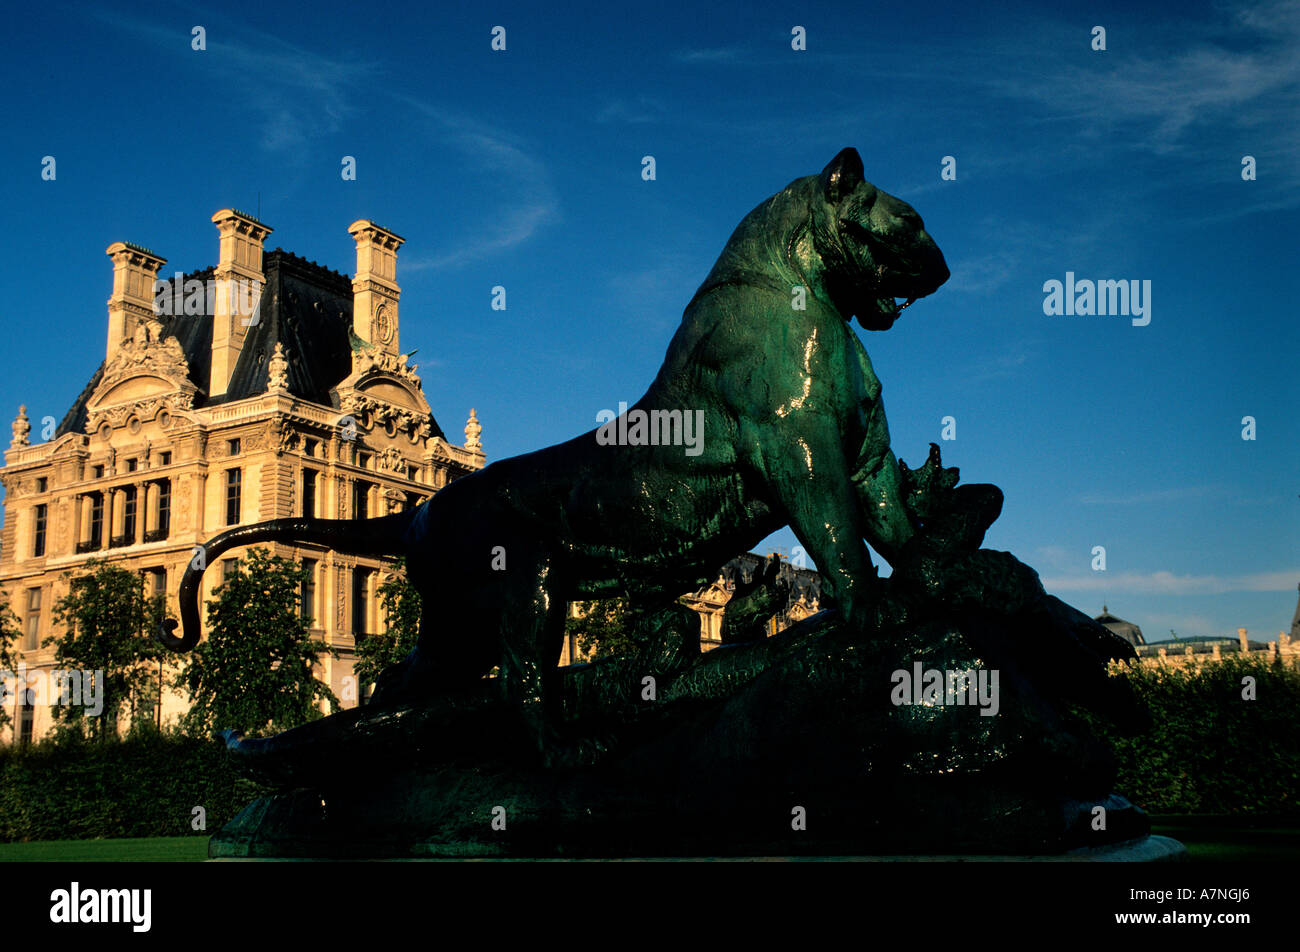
(766, 413)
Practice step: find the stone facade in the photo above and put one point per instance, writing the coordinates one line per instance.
(266, 386)
(710, 603)
(1185, 652)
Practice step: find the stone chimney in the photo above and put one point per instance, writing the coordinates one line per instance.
(135, 271)
(239, 281)
(374, 290)
(1245, 644)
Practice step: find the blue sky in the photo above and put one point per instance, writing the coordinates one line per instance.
(522, 169)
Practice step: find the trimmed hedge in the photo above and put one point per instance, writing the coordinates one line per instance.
(1210, 750)
(145, 785)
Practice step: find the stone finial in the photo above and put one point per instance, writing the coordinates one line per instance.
(473, 429)
(1241, 638)
(21, 427)
(277, 379)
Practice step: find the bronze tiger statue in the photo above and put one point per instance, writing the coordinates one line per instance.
(791, 432)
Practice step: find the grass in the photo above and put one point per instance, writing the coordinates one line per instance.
(155, 849)
(1208, 840)
(1218, 839)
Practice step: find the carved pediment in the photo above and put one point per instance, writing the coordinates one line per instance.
(146, 372)
(386, 378)
(383, 391)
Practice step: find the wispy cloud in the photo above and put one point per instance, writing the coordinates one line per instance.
(529, 202)
(1157, 625)
(1150, 497)
(1194, 79)
(725, 54)
(266, 72)
(1235, 77)
(1189, 89)
(636, 112)
(1002, 366)
(269, 74)
(654, 296)
(1017, 243)
(1167, 583)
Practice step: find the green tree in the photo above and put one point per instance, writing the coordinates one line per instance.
(253, 673)
(8, 659)
(109, 634)
(604, 628)
(401, 606)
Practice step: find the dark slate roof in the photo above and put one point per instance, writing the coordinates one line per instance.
(1125, 629)
(74, 421)
(802, 581)
(305, 306)
(195, 336)
(308, 309)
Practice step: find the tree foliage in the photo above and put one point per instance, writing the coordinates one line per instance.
(401, 606)
(253, 673)
(109, 633)
(604, 628)
(8, 658)
(1215, 747)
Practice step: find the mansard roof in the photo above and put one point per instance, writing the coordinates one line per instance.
(305, 306)
(1125, 629)
(803, 582)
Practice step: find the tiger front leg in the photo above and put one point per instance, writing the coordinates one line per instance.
(886, 521)
(531, 631)
(826, 517)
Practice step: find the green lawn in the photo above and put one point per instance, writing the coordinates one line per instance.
(1208, 840)
(1232, 839)
(156, 849)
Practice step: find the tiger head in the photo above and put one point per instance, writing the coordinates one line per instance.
(873, 246)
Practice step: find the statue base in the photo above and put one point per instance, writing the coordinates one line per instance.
(1148, 849)
(825, 740)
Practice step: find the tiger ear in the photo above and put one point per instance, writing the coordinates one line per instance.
(842, 175)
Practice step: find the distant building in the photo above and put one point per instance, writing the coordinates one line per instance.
(1198, 650)
(265, 386)
(711, 601)
(1125, 629)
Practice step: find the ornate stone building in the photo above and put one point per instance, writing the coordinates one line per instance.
(1182, 652)
(266, 386)
(711, 601)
